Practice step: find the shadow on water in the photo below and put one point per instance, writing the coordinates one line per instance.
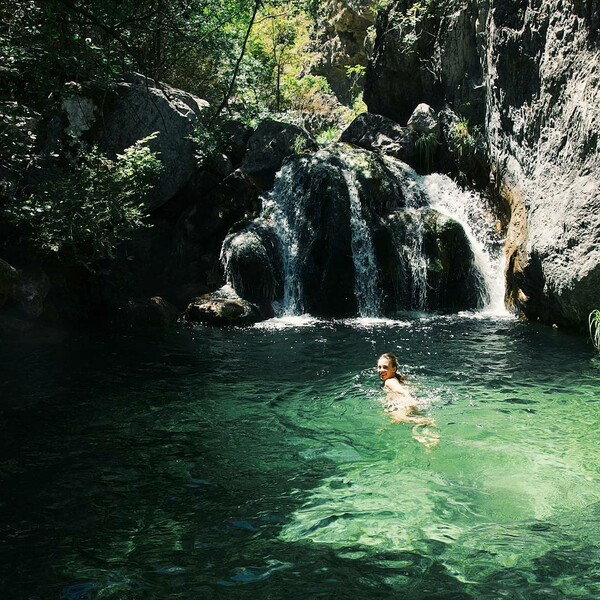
(258, 463)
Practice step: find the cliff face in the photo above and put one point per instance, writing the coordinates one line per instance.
(343, 41)
(526, 72)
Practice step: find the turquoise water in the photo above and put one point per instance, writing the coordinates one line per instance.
(259, 463)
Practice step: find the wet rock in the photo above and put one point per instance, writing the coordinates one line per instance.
(223, 307)
(426, 262)
(323, 206)
(252, 261)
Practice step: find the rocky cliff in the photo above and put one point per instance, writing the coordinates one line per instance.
(344, 39)
(525, 73)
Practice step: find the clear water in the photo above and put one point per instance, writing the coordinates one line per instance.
(258, 463)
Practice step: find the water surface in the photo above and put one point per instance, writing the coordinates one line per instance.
(258, 463)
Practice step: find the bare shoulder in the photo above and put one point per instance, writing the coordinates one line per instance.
(399, 396)
(394, 386)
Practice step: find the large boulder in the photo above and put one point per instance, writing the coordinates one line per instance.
(223, 307)
(142, 312)
(380, 134)
(268, 146)
(133, 109)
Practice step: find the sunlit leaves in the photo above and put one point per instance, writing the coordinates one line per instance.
(84, 216)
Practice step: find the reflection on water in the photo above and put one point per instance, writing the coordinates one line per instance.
(259, 463)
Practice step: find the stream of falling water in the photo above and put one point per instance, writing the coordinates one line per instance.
(289, 212)
(466, 207)
(363, 254)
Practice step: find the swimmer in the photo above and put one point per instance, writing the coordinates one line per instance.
(400, 402)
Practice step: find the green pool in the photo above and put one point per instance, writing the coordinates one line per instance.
(259, 463)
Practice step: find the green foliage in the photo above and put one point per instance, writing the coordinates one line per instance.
(209, 139)
(426, 145)
(425, 16)
(84, 216)
(594, 327)
(461, 140)
(17, 144)
(355, 74)
(328, 135)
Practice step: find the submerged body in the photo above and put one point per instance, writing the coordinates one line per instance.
(400, 402)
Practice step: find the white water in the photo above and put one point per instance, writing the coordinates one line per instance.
(465, 207)
(365, 268)
(287, 216)
(285, 210)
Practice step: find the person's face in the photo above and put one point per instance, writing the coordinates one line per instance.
(385, 370)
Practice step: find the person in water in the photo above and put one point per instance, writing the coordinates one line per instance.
(400, 402)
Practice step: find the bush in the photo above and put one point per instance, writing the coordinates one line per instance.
(85, 215)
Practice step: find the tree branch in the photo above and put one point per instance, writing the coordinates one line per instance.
(236, 70)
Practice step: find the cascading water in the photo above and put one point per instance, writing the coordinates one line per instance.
(346, 232)
(285, 210)
(363, 255)
(466, 208)
(418, 265)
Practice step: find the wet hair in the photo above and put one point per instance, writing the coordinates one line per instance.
(393, 359)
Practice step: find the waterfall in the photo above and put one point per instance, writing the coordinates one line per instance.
(363, 255)
(418, 265)
(284, 208)
(345, 232)
(465, 207)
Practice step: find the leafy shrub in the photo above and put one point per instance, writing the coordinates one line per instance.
(17, 144)
(209, 139)
(461, 138)
(85, 215)
(426, 145)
